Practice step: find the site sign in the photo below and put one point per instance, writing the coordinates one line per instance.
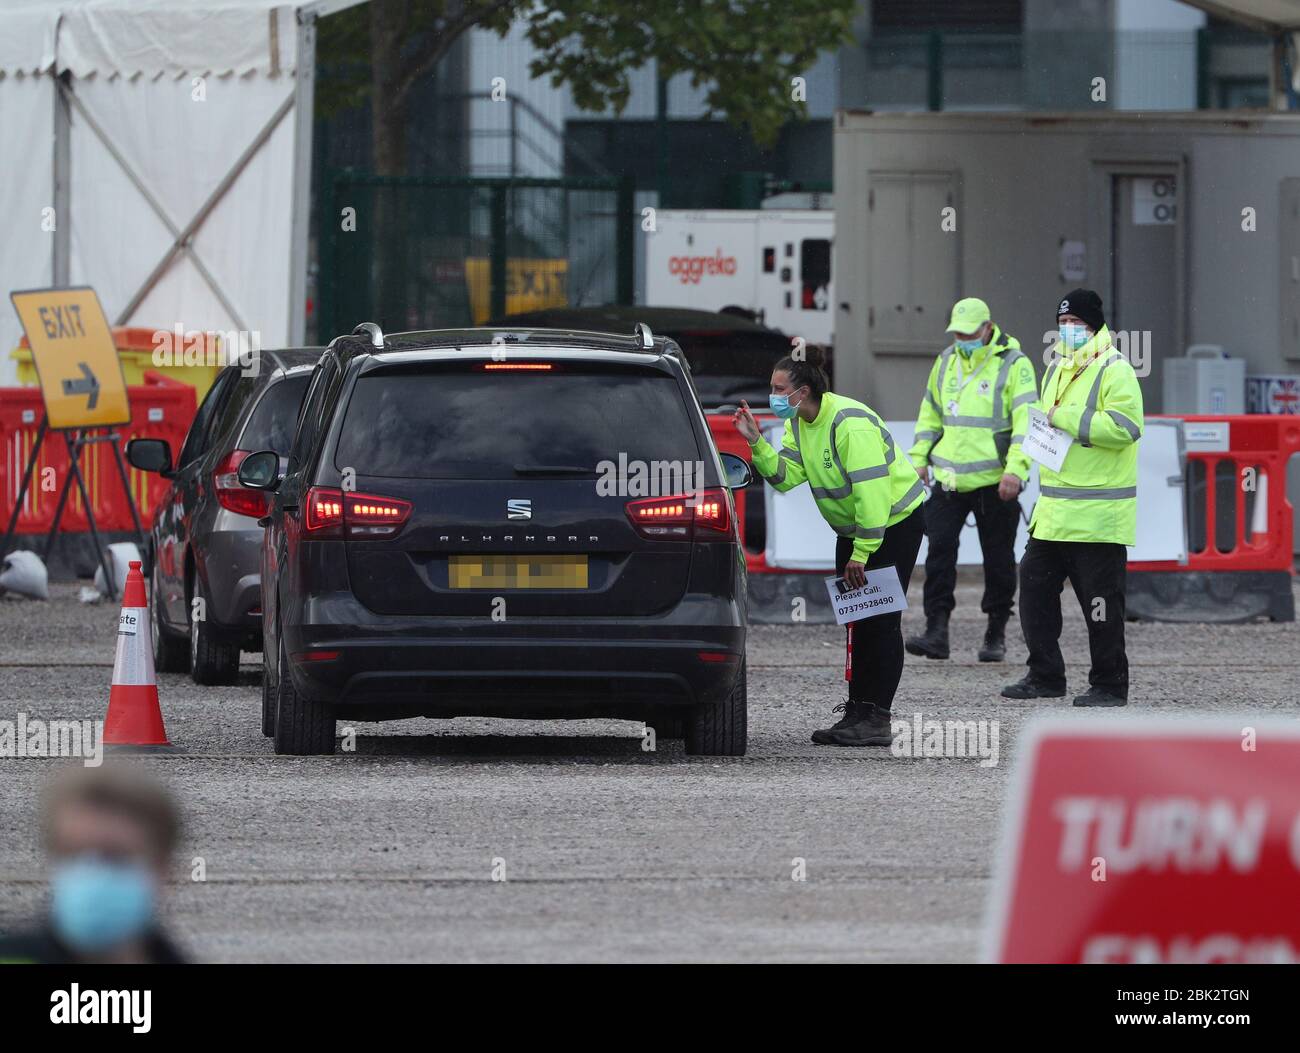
(1150, 840)
(76, 360)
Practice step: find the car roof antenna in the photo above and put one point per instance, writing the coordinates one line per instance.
(376, 334)
(645, 339)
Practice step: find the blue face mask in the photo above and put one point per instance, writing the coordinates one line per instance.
(968, 347)
(1074, 336)
(97, 904)
(780, 405)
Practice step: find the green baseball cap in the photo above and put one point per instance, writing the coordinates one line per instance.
(968, 315)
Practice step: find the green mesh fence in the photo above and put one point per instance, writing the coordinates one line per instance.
(427, 253)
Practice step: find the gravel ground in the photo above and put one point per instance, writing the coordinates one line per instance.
(609, 853)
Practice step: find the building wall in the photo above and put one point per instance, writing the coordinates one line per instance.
(1028, 183)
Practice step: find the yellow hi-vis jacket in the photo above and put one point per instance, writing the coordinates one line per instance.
(1094, 495)
(974, 414)
(859, 480)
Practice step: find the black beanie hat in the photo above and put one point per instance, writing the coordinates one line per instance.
(1084, 304)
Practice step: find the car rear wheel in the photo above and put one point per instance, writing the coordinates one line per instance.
(171, 654)
(668, 725)
(214, 659)
(303, 726)
(720, 729)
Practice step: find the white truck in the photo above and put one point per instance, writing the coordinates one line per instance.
(776, 263)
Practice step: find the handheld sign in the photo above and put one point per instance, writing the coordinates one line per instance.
(1043, 443)
(72, 347)
(1156, 840)
(882, 594)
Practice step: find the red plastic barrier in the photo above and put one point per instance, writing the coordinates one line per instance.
(1222, 488)
(728, 440)
(161, 408)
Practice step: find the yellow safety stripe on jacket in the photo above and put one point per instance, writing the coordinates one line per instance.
(975, 445)
(1094, 495)
(851, 464)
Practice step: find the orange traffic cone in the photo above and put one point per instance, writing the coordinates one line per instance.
(134, 718)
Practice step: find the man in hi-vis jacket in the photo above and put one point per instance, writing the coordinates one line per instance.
(1087, 509)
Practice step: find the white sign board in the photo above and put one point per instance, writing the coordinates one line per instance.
(1074, 262)
(1273, 393)
(882, 594)
(1208, 436)
(1043, 443)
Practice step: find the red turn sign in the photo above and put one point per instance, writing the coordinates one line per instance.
(1151, 841)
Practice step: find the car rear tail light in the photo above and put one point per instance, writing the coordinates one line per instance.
(712, 512)
(517, 367)
(368, 515)
(314, 656)
(705, 516)
(716, 656)
(232, 496)
(324, 510)
(333, 513)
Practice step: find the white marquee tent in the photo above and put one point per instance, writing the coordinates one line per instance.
(154, 149)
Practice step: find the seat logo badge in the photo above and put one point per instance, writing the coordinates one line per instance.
(519, 508)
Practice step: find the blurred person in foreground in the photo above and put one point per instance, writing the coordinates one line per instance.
(109, 836)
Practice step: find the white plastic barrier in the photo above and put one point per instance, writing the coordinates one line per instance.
(799, 539)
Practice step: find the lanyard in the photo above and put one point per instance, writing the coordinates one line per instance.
(1060, 394)
(962, 384)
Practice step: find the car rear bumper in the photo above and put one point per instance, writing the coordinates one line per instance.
(464, 668)
(232, 570)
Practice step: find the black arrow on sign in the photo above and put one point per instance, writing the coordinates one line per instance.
(88, 385)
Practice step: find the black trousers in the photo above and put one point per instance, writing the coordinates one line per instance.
(878, 642)
(1097, 570)
(996, 520)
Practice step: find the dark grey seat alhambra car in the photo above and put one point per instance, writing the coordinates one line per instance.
(516, 523)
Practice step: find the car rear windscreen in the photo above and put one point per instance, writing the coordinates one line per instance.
(475, 424)
(272, 423)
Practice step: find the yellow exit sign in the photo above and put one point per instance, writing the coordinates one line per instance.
(76, 361)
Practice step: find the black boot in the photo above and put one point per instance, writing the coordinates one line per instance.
(995, 639)
(1031, 687)
(852, 714)
(871, 729)
(1100, 696)
(933, 643)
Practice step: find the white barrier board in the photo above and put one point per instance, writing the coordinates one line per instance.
(799, 539)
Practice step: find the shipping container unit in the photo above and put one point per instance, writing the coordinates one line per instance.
(1187, 224)
(775, 263)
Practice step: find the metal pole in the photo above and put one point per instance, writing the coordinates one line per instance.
(624, 240)
(935, 70)
(300, 221)
(661, 140)
(514, 140)
(499, 249)
(63, 500)
(74, 454)
(62, 183)
(114, 439)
